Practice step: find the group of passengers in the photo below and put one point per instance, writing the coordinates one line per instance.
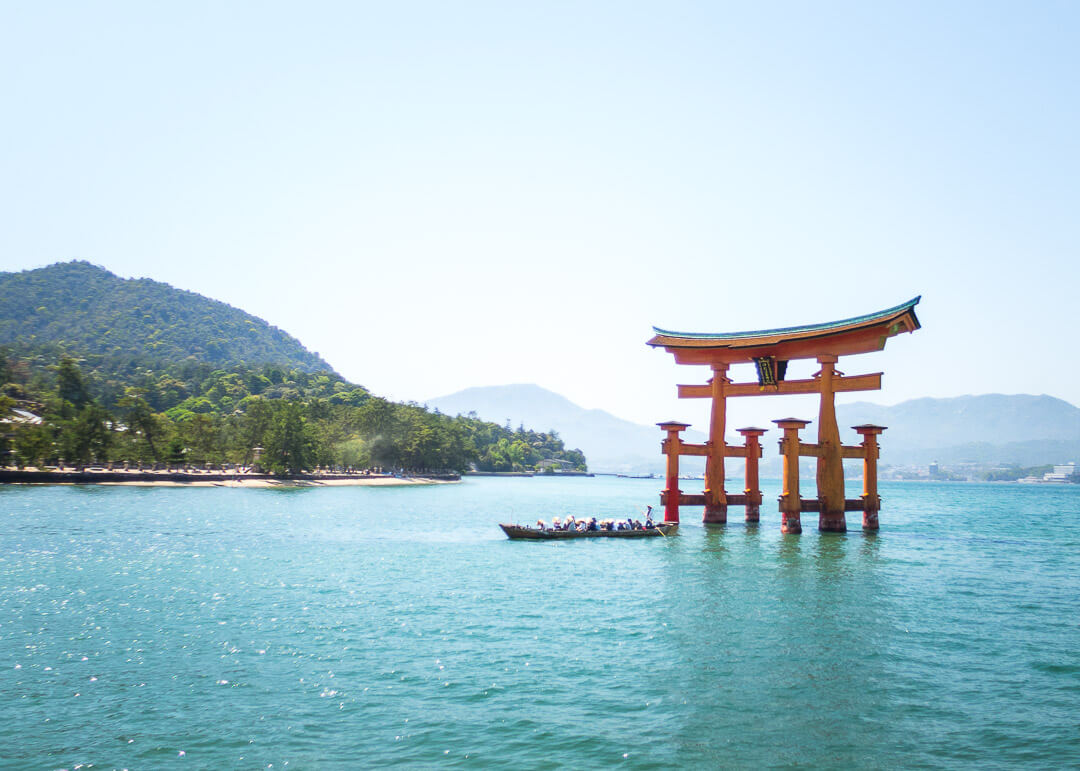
(593, 524)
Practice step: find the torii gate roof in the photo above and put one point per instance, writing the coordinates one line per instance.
(861, 334)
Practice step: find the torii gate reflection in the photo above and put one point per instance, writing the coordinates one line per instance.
(771, 350)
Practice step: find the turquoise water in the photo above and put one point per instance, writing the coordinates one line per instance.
(342, 627)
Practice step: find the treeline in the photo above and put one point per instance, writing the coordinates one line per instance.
(129, 410)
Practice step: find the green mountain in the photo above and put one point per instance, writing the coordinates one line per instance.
(136, 371)
(88, 311)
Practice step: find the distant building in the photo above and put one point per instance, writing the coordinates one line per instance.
(1060, 473)
(555, 464)
(22, 417)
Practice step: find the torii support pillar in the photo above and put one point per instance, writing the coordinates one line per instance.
(790, 501)
(753, 486)
(671, 447)
(871, 499)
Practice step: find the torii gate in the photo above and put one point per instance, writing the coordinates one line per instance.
(771, 350)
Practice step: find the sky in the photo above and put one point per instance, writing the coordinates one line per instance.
(438, 195)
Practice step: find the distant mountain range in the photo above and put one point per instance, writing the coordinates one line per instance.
(613, 444)
(89, 311)
(986, 429)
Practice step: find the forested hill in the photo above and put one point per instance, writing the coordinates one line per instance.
(88, 311)
(95, 368)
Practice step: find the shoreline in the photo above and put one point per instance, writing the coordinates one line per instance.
(213, 479)
(254, 484)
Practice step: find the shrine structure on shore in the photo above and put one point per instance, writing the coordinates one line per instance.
(770, 351)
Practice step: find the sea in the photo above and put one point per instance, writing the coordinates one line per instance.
(359, 627)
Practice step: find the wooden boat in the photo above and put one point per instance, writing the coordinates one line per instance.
(520, 532)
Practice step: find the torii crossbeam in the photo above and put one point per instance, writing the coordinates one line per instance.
(771, 350)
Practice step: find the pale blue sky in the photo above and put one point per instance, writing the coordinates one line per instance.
(441, 195)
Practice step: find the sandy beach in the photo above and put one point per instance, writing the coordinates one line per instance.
(255, 483)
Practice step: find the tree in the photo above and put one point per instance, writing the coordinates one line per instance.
(141, 419)
(33, 445)
(70, 385)
(257, 419)
(289, 448)
(375, 417)
(352, 453)
(201, 434)
(176, 452)
(87, 437)
(6, 403)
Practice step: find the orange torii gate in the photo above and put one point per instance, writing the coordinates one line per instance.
(770, 351)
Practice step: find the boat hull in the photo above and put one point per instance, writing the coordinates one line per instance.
(517, 532)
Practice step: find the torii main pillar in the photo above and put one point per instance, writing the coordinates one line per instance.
(715, 494)
(830, 461)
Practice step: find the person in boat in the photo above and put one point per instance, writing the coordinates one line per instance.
(648, 517)
(556, 524)
(540, 524)
(570, 523)
(592, 525)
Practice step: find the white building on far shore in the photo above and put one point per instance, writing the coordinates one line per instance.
(1059, 475)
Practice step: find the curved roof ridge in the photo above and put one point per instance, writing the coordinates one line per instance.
(821, 327)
